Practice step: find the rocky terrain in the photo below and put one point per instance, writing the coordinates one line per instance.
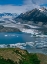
(8, 29)
(35, 16)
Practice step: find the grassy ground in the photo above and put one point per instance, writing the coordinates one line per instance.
(16, 54)
(43, 58)
(8, 53)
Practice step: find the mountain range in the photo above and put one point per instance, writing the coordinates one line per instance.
(8, 14)
(30, 21)
(37, 16)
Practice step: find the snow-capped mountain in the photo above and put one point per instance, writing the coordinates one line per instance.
(8, 14)
(7, 17)
(35, 15)
(43, 9)
(34, 21)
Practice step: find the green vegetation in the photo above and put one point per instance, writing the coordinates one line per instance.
(30, 59)
(19, 56)
(4, 61)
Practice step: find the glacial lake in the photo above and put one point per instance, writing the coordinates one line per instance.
(31, 43)
(12, 38)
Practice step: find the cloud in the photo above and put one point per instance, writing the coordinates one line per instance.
(27, 5)
(35, 2)
(15, 9)
(22, 45)
(12, 9)
(30, 5)
(40, 2)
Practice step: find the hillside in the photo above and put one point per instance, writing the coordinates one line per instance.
(8, 29)
(19, 56)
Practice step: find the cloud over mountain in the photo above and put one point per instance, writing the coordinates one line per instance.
(25, 6)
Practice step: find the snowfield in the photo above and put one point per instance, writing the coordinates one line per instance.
(8, 21)
(21, 27)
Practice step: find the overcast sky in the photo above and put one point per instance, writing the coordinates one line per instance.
(19, 6)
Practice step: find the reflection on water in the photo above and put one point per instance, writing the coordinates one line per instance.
(24, 41)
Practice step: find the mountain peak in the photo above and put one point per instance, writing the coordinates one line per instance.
(35, 15)
(43, 9)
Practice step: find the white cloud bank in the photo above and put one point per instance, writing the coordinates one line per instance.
(11, 9)
(27, 5)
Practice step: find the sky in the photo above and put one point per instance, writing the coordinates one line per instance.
(13, 2)
(20, 6)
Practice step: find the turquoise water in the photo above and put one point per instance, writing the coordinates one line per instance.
(14, 38)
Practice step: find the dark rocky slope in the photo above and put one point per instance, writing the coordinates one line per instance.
(34, 15)
(8, 29)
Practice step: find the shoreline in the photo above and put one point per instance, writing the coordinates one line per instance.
(32, 50)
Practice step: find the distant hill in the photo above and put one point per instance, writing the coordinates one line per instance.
(6, 18)
(8, 14)
(8, 29)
